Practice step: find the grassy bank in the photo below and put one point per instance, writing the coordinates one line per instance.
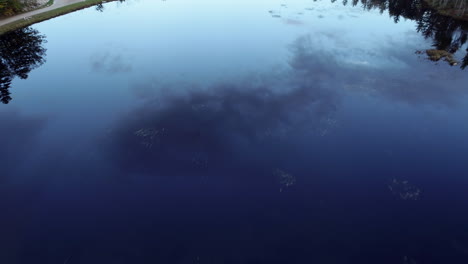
(49, 14)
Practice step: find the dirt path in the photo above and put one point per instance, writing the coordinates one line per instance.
(56, 4)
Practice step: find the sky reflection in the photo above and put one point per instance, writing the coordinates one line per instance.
(216, 133)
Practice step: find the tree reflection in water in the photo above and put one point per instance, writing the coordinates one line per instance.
(447, 33)
(20, 52)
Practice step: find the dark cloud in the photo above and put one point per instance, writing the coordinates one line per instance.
(223, 127)
(186, 129)
(293, 22)
(110, 63)
(214, 129)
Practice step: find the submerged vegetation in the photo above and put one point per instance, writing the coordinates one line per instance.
(403, 190)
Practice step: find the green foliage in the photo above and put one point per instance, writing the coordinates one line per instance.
(20, 52)
(10, 7)
(456, 8)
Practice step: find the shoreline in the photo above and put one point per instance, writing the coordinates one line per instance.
(36, 16)
(48, 12)
(449, 12)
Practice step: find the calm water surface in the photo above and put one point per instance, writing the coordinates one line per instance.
(234, 132)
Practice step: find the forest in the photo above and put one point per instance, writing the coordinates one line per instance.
(447, 33)
(456, 8)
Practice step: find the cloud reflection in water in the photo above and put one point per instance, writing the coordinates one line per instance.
(244, 124)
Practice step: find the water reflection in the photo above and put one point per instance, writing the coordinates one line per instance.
(19, 133)
(260, 131)
(190, 130)
(375, 75)
(447, 33)
(211, 130)
(20, 52)
(294, 166)
(111, 63)
(100, 6)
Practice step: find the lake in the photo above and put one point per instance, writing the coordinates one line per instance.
(227, 131)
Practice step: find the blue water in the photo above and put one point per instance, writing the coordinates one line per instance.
(235, 132)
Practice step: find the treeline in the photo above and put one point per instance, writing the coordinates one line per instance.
(10, 7)
(448, 33)
(460, 5)
(453, 7)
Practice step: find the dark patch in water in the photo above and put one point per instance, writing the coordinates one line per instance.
(19, 135)
(110, 63)
(219, 126)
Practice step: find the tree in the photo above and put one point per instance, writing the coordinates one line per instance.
(20, 52)
(448, 34)
(10, 7)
